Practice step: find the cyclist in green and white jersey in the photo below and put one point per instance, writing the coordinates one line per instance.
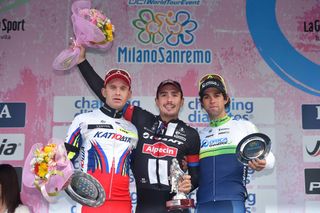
(222, 176)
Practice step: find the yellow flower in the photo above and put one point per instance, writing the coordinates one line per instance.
(41, 169)
(46, 159)
(108, 26)
(49, 148)
(109, 35)
(44, 166)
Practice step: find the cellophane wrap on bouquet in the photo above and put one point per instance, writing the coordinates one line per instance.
(91, 29)
(47, 168)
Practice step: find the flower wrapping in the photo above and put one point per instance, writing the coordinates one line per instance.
(91, 29)
(47, 168)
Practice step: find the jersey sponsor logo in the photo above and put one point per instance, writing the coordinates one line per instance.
(181, 131)
(214, 142)
(111, 135)
(221, 133)
(102, 126)
(180, 134)
(159, 150)
(208, 136)
(146, 135)
(152, 130)
(180, 137)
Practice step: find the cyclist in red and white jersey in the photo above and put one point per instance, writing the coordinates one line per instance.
(104, 140)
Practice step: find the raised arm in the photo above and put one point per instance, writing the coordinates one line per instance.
(94, 81)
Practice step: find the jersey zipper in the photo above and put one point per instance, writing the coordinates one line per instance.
(214, 179)
(157, 169)
(214, 175)
(159, 131)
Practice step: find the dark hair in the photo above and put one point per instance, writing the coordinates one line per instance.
(176, 84)
(225, 96)
(10, 193)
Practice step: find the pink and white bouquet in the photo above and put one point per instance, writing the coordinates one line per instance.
(47, 168)
(91, 29)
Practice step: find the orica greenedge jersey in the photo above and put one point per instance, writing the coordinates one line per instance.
(222, 176)
(104, 145)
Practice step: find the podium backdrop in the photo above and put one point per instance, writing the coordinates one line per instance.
(267, 50)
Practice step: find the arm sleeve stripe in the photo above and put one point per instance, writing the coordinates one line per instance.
(129, 113)
(192, 159)
(72, 140)
(193, 164)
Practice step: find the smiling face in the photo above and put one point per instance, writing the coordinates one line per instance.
(169, 102)
(214, 102)
(117, 92)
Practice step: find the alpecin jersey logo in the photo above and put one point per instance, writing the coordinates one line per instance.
(159, 150)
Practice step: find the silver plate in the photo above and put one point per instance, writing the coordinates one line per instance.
(86, 190)
(253, 146)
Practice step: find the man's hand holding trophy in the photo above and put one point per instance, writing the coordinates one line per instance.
(181, 185)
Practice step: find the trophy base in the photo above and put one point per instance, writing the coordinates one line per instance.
(180, 204)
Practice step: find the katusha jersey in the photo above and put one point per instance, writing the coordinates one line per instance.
(222, 176)
(104, 145)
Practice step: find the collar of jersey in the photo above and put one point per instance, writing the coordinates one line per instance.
(110, 111)
(220, 121)
(171, 121)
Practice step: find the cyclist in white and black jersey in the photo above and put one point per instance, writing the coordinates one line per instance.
(222, 177)
(161, 138)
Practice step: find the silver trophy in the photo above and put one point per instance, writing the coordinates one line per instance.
(85, 189)
(180, 200)
(253, 146)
